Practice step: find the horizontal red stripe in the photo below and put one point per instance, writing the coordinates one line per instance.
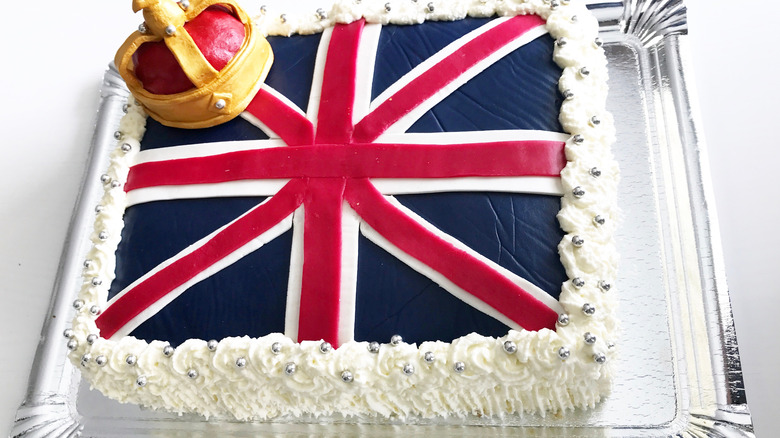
(239, 233)
(511, 158)
(465, 271)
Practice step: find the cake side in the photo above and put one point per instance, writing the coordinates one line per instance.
(523, 371)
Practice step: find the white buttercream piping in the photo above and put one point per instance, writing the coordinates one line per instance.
(534, 379)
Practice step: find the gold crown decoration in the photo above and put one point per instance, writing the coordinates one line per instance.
(217, 96)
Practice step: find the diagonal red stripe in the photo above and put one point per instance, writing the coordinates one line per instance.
(371, 160)
(234, 236)
(441, 74)
(465, 271)
(290, 125)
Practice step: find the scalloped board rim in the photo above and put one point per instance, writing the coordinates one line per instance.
(520, 372)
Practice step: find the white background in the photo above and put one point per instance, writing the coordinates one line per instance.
(53, 57)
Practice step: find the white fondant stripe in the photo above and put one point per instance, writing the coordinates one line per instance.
(350, 230)
(266, 187)
(204, 150)
(233, 257)
(316, 81)
(410, 118)
(295, 279)
(445, 283)
(364, 78)
(466, 137)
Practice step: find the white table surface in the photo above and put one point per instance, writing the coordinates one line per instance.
(55, 53)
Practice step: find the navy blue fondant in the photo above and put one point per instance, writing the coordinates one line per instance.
(293, 66)
(246, 298)
(519, 232)
(395, 299)
(160, 136)
(520, 91)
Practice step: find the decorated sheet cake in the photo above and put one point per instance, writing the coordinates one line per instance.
(380, 209)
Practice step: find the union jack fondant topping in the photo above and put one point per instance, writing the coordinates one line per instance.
(331, 173)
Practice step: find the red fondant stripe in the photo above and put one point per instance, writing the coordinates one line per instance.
(290, 125)
(234, 236)
(321, 281)
(334, 118)
(440, 75)
(371, 160)
(465, 271)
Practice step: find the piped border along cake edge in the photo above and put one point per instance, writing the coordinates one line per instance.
(260, 378)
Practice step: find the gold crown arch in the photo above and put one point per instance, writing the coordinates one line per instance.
(217, 96)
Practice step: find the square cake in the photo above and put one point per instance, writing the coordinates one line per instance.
(410, 214)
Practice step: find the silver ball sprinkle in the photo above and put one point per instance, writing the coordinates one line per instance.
(577, 241)
(574, 18)
(578, 282)
(430, 7)
(185, 4)
(599, 220)
(561, 42)
(99, 208)
(578, 139)
(590, 338)
(96, 281)
(290, 368)
(321, 14)
(103, 235)
(72, 344)
(115, 184)
(212, 345)
(125, 108)
(347, 377)
(78, 304)
(85, 359)
(192, 374)
(131, 360)
(604, 285)
(588, 309)
(325, 347)
(563, 319)
(598, 42)
(584, 71)
(118, 135)
(263, 9)
(241, 362)
(142, 28)
(91, 338)
(95, 310)
(595, 121)
(578, 192)
(101, 360)
(510, 347)
(554, 4)
(105, 179)
(220, 104)
(459, 367)
(599, 358)
(168, 351)
(170, 30)
(126, 147)
(276, 348)
(429, 357)
(595, 172)
(396, 339)
(141, 381)
(610, 345)
(68, 333)
(568, 94)
(283, 18)
(373, 347)
(87, 264)
(408, 369)
(564, 353)
(387, 7)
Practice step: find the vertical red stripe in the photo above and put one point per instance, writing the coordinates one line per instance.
(318, 317)
(334, 118)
